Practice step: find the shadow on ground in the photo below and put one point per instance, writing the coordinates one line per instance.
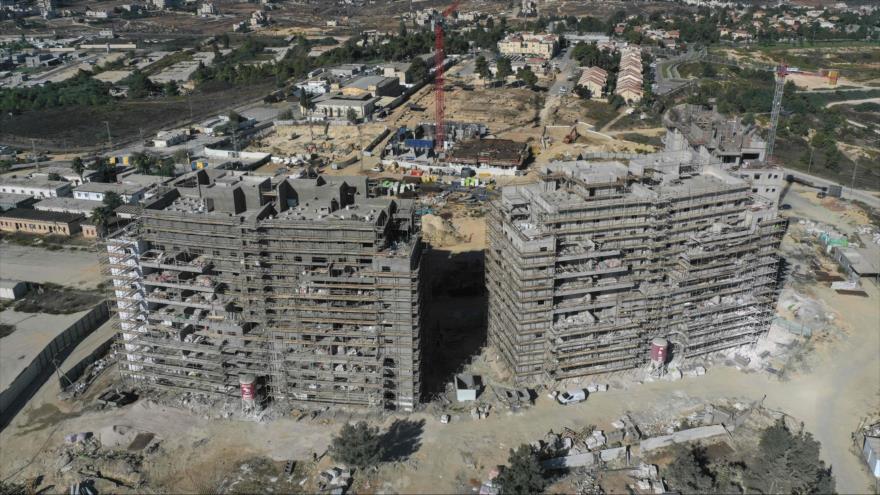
(402, 439)
(455, 316)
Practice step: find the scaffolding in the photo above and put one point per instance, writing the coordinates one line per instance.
(320, 308)
(583, 271)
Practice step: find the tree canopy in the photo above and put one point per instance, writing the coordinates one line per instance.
(503, 68)
(81, 89)
(358, 445)
(782, 462)
(523, 474)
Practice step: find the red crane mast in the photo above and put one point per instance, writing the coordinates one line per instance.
(439, 81)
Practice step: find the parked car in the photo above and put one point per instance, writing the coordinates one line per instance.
(572, 396)
(785, 206)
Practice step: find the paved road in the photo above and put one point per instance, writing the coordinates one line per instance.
(870, 198)
(567, 68)
(852, 102)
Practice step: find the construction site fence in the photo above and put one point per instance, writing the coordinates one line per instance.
(47, 361)
(795, 328)
(608, 155)
(70, 376)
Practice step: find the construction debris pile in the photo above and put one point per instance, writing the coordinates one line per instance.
(623, 456)
(107, 461)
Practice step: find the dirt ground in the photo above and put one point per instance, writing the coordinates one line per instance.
(335, 142)
(64, 267)
(500, 109)
(831, 395)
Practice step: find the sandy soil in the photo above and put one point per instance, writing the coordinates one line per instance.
(837, 390)
(473, 230)
(340, 141)
(814, 82)
(32, 333)
(71, 268)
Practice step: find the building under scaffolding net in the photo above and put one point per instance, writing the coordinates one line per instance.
(307, 285)
(586, 267)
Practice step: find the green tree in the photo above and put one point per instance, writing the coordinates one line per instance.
(143, 162)
(481, 66)
(101, 216)
(523, 474)
(503, 68)
(112, 200)
(582, 92)
(788, 462)
(139, 85)
(351, 115)
(305, 102)
(104, 171)
(418, 70)
(689, 471)
(78, 166)
(358, 445)
(170, 89)
(167, 169)
(527, 76)
(54, 176)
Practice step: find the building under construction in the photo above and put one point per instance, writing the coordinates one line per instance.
(295, 290)
(588, 266)
(712, 136)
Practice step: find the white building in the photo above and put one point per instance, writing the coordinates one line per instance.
(165, 139)
(95, 191)
(68, 205)
(314, 87)
(36, 187)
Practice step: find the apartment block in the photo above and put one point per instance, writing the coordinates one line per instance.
(629, 78)
(307, 285)
(540, 45)
(589, 265)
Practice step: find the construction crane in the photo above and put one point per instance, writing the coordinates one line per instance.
(781, 72)
(439, 61)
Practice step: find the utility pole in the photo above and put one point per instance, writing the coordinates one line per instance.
(810, 166)
(109, 137)
(34, 154)
(852, 183)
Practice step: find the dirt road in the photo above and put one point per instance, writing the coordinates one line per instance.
(840, 387)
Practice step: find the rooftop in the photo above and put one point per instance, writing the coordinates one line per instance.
(33, 182)
(40, 216)
(104, 187)
(67, 204)
(367, 82)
